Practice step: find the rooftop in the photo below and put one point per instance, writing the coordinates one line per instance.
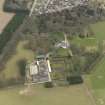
(39, 71)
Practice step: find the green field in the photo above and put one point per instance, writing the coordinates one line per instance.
(74, 95)
(99, 30)
(85, 41)
(99, 35)
(11, 67)
(96, 80)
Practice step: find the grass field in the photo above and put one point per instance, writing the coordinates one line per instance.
(85, 42)
(74, 95)
(96, 80)
(99, 30)
(11, 68)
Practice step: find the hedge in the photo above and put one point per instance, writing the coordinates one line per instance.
(10, 82)
(48, 85)
(74, 79)
(22, 67)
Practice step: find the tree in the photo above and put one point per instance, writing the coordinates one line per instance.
(75, 79)
(22, 67)
(48, 85)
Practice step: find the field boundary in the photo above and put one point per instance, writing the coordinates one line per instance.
(92, 66)
(90, 94)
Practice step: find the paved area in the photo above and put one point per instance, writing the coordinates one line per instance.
(4, 17)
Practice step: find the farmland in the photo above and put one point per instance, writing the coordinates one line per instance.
(11, 69)
(54, 96)
(96, 80)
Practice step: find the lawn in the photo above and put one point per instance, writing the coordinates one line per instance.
(85, 42)
(62, 52)
(99, 35)
(74, 95)
(99, 30)
(11, 68)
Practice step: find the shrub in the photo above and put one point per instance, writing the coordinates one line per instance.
(10, 82)
(22, 66)
(74, 79)
(1, 84)
(48, 85)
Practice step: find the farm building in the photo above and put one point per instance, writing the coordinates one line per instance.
(39, 70)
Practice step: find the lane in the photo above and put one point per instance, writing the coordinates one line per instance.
(33, 7)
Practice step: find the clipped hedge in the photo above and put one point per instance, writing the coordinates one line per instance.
(48, 85)
(75, 79)
(10, 82)
(22, 67)
(12, 26)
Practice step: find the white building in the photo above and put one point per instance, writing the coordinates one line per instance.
(33, 69)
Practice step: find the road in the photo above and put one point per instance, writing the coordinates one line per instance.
(33, 6)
